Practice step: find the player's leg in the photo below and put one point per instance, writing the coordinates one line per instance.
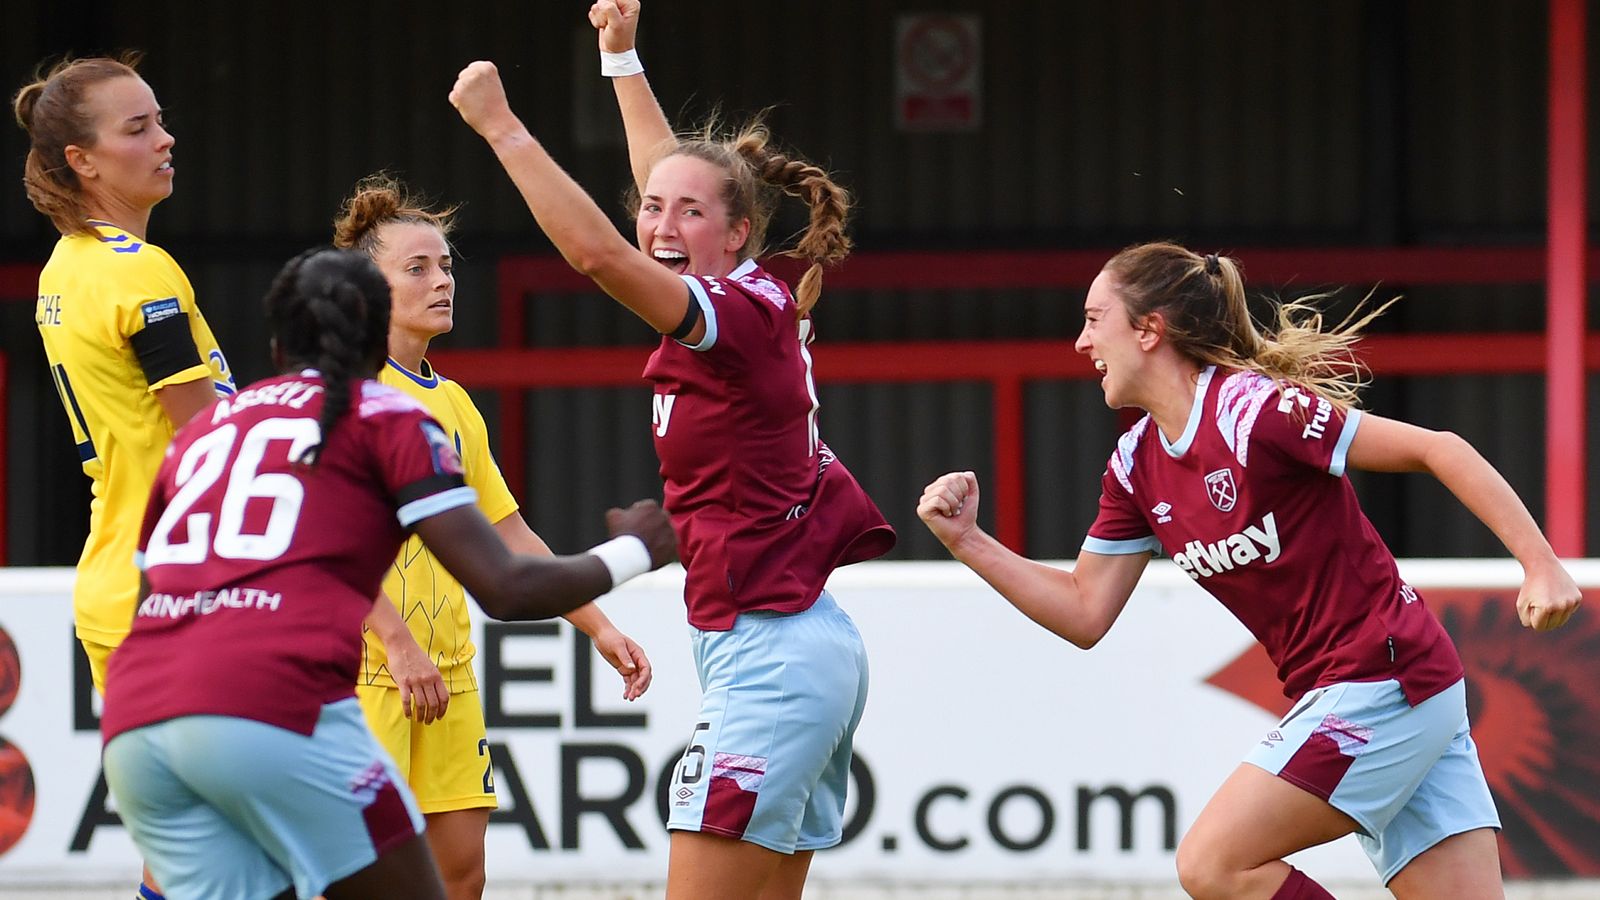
(99, 655)
(1236, 846)
(453, 780)
(1461, 867)
(705, 866)
(1346, 759)
(325, 807)
(780, 698)
(1442, 843)
(456, 840)
(404, 872)
(788, 882)
(191, 845)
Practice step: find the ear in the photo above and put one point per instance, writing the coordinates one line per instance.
(1152, 331)
(737, 236)
(79, 161)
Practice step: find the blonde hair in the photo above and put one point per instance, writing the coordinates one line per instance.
(52, 109)
(381, 199)
(757, 175)
(1202, 300)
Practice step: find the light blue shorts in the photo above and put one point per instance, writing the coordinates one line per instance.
(1409, 775)
(769, 759)
(228, 807)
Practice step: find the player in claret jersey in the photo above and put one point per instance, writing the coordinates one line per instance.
(235, 746)
(764, 509)
(1236, 472)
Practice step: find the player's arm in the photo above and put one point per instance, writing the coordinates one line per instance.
(619, 650)
(1079, 605)
(642, 119)
(566, 214)
(519, 586)
(1549, 596)
(184, 400)
(421, 686)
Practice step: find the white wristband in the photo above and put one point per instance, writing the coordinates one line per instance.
(616, 65)
(625, 556)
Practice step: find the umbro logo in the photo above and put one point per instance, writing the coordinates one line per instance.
(1162, 512)
(1273, 737)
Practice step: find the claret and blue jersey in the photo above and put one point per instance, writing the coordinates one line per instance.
(1251, 502)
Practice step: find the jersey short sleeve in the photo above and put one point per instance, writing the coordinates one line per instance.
(416, 459)
(154, 307)
(742, 312)
(1298, 428)
(1120, 527)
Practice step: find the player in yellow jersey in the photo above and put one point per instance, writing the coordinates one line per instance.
(445, 762)
(129, 351)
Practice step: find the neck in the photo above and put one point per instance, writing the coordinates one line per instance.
(408, 349)
(1170, 398)
(129, 218)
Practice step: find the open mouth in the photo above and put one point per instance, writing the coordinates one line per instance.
(165, 168)
(676, 260)
(1100, 366)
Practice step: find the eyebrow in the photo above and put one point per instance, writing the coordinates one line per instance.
(424, 257)
(684, 199)
(159, 112)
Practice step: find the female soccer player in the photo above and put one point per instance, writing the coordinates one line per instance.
(235, 747)
(765, 510)
(1237, 472)
(444, 762)
(131, 355)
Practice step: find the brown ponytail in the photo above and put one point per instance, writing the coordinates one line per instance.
(52, 111)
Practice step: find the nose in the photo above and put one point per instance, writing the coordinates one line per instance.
(167, 140)
(1082, 344)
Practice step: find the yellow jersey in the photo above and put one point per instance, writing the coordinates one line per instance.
(119, 321)
(431, 601)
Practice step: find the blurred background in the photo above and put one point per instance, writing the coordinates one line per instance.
(999, 152)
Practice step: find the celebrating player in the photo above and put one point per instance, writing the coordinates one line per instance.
(403, 688)
(1237, 473)
(765, 510)
(129, 351)
(234, 745)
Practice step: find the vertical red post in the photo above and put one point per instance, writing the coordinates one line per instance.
(1566, 282)
(4, 469)
(1010, 465)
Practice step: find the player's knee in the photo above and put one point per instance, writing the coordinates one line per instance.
(1201, 872)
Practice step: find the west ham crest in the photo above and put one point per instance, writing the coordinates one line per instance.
(1221, 489)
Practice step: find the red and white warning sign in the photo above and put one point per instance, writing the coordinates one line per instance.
(938, 72)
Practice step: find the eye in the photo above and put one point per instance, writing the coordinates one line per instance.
(448, 269)
(651, 208)
(413, 270)
(691, 211)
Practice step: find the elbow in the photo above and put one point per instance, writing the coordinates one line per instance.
(598, 259)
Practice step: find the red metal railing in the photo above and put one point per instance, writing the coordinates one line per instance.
(1007, 366)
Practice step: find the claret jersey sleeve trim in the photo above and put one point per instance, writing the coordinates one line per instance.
(434, 504)
(697, 294)
(1192, 427)
(1341, 450)
(1149, 544)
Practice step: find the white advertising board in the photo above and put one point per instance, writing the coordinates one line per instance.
(991, 751)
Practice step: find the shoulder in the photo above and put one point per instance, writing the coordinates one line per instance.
(749, 280)
(377, 399)
(1122, 458)
(1241, 397)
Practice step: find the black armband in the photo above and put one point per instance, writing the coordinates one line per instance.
(691, 318)
(165, 347)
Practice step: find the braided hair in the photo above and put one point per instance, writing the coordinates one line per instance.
(329, 310)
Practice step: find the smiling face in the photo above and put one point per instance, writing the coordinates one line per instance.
(683, 220)
(415, 258)
(1112, 343)
(130, 164)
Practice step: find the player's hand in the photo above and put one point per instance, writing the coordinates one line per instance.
(618, 23)
(628, 659)
(647, 521)
(1548, 598)
(423, 694)
(480, 98)
(949, 507)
